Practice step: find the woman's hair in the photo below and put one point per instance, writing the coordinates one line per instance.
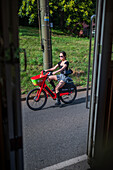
(64, 53)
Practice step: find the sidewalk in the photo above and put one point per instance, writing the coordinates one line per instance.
(78, 163)
(79, 166)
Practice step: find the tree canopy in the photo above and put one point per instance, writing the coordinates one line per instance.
(65, 14)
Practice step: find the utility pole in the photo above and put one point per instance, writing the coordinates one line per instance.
(45, 34)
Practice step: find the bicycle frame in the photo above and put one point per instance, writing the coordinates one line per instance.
(44, 87)
(37, 98)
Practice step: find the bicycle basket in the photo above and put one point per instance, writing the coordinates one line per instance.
(37, 80)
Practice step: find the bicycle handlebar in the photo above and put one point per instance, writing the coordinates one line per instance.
(48, 73)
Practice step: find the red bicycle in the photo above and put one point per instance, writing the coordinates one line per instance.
(37, 98)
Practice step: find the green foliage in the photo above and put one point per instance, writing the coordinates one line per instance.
(28, 8)
(72, 13)
(77, 50)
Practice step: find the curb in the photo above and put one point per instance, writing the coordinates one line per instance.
(83, 89)
(79, 89)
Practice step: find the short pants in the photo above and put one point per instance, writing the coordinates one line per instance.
(62, 77)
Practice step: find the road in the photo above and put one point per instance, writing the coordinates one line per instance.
(54, 134)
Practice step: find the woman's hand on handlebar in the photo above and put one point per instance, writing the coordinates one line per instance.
(49, 73)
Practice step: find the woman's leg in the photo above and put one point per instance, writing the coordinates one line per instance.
(59, 85)
(50, 79)
(53, 77)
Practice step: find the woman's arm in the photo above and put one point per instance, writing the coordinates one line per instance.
(61, 69)
(52, 69)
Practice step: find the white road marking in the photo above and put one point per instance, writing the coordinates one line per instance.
(66, 163)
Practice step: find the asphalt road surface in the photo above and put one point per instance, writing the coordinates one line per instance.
(53, 135)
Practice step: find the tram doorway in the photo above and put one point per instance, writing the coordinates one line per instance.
(100, 138)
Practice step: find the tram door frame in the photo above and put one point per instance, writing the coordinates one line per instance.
(102, 73)
(11, 145)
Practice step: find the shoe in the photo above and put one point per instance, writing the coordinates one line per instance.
(58, 104)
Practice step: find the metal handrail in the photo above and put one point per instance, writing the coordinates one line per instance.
(89, 62)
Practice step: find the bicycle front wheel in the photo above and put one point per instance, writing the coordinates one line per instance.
(32, 101)
(70, 97)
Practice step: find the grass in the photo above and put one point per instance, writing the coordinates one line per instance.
(77, 50)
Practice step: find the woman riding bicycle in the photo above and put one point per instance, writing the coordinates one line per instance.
(63, 67)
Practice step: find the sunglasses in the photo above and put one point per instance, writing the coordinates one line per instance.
(61, 56)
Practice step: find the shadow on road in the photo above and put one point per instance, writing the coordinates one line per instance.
(77, 101)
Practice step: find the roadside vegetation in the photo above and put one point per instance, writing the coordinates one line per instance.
(77, 50)
(65, 15)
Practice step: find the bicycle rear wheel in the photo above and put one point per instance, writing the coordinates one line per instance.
(70, 97)
(32, 101)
